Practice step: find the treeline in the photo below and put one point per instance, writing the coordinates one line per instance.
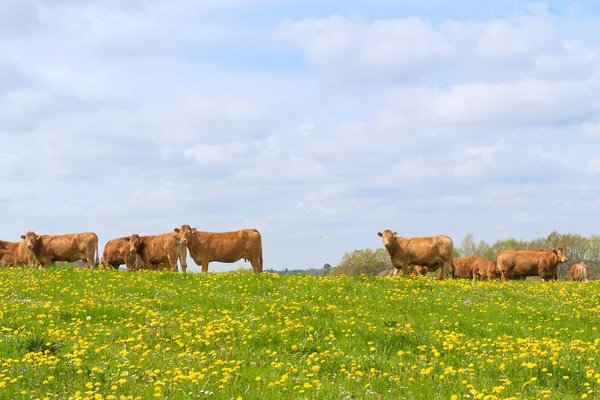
(579, 249)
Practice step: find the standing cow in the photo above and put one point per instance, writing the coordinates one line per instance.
(158, 251)
(519, 264)
(69, 247)
(432, 252)
(226, 247)
(579, 272)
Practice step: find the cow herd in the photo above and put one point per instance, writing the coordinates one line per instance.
(416, 255)
(422, 255)
(137, 252)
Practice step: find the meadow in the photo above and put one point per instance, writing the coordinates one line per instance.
(71, 333)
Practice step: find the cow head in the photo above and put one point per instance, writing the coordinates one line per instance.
(134, 242)
(562, 256)
(388, 237)
(31, 240)
(185, 233)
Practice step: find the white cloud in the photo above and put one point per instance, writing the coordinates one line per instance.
(140, 116)
(519, 35)
(477, 163)
(206, 154)
(523, 218)
(356, 46)
(521, 103)
(591, 130)
(593, 165)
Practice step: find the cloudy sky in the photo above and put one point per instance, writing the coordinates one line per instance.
(318, 122)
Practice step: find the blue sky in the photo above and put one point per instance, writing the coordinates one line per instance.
(317, 122)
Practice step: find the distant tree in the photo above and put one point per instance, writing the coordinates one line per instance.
(326, 266)
(366, 262)
(467, 246)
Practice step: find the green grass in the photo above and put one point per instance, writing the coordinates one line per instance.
(77, 333)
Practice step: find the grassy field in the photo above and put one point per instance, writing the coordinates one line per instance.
(78, 333)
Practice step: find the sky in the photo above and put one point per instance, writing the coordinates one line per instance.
(319, 123)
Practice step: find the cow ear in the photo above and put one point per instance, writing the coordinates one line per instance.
(22, 236)
(177, 230)
(395, 233)
(193, 229)
(128, 239)
(379, 234)
(37, 237)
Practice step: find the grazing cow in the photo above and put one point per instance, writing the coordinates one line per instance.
(463, 267)
(157, 250)
(118, 252)
(432, 252)
(486, 269)
(226, 247)
(69, 247)
(519, 264)
(579, 272)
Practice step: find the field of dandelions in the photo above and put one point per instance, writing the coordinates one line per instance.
(70, 333)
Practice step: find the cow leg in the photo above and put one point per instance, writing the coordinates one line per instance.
(91, 259)
(445, 271)
(395, 271)
(255, 264)
(183, 260)
(173, 261)
(205, 266)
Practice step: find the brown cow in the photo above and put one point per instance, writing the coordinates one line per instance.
(486, 269)
(432, 252)
(463, 267)
(68, 247)
(24, 256)
(118, 251)
(157, 250)
(419, 270)
(10, 246)
(226, 247)
(579, 272)
(519, 264)
(9, 258)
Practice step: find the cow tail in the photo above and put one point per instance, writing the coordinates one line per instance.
(260, 253)
(452, 268)
(96, 261)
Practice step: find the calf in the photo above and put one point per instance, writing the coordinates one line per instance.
(486, 269)
(579, 272)
(157, 250)
(118, 252)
